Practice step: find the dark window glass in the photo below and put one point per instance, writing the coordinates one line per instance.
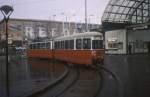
(30, 46)
(66, 44)
(71, 44)
(62, 44)
(38, 45)
(42, 45)
(48, 46)
(87, 43)
(79, 44)
(56, 45)
(97, 44)
(34, 46)
(59, 45)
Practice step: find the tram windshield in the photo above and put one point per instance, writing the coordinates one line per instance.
(97, 44)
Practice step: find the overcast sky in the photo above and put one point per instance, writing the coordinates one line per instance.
(53, 9)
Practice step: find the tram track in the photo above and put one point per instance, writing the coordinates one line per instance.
(75, 85)
(63, 85)
(101, 82)
(119, 89)
(86, 83)
(70, 85)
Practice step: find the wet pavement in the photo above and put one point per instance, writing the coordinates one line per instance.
(27, 75)
(133, 73)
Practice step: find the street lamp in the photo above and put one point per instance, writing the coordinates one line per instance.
(6, 11)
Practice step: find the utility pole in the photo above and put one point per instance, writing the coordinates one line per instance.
(6, 11)
(86, 25)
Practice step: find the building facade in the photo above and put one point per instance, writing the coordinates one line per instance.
(127, 24)
(23, 30)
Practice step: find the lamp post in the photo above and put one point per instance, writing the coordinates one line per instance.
(86, 25)
(6, 11)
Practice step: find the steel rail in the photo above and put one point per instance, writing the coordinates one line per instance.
(119, 88)
(71, 84)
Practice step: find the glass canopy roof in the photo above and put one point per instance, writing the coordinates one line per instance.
(127, 11)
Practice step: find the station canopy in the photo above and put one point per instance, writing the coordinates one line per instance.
(127, 12)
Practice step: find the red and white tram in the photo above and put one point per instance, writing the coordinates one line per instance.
(81, 48)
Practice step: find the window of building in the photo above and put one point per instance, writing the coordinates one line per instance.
(112, 45)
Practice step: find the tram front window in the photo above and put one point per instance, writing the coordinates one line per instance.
(97, 44)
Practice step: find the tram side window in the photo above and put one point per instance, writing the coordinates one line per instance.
(30, 46)
(62, 44)
(79, 44)
(97, 44)
(87, 43)
(48, 46)
(38, 45)
(59, 45)
(56, 45)
(66, 44)
(42, 45)
(71, 44)
(33, 46)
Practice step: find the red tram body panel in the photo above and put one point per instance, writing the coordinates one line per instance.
(79, 56)
(71, 56)
(39, 53)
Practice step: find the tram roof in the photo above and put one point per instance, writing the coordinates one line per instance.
(79, 35)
